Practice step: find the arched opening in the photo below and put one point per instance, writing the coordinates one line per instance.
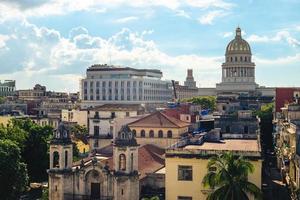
(131, 159)
(122, 162)
(227, 129)
(246, 129)
(151, 133)
(160, 134)
(55, 159)
(143, 133)
(66, 159)
(134, 132)
(169, 134)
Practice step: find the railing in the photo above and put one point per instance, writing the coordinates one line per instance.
(85, 197)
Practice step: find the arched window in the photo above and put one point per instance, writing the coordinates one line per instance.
(122, 162)
(169, 134)
(160, 134)
(235, 59)
(241, 58)
(66, 159)
(245, 58)
(151, 133)
(143, 133)
(56, 159)
(134, 132)
(246, 129)
(231, 59)
(131, 159)
(227, 129)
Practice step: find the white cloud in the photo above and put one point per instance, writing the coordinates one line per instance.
(227, 34)
(43, 55)
(125, 19)
(38, 8)
(182, 13)
(279, 36)
(211, 16)
(3, 39)
(280, 61)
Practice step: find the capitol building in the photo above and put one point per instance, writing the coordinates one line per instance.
(238, 74)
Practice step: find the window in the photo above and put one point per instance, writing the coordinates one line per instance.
(96, 130)
(151, 133)
(66, 159)
(169, 134)
(127, 114)
(134, 132)
(55, 159)
(96, 143)
(122, 162)
(160, 134)
(185, 173)
(142, 133)
(184, 198)
(246, 129)
(227, 129)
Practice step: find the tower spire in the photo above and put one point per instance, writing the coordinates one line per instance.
(238, 32)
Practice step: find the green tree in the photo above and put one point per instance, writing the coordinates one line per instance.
(206, 102)
(228, 177)
(79, 132)
(13, 173)
(35, 152)
(33, 142)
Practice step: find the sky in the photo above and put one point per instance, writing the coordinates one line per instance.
(52, 42)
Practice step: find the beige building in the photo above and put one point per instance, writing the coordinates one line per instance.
(186, 166)
(73, 115)
(158, 129)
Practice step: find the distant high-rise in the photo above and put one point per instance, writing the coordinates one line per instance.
(7, 88)
(113, 84)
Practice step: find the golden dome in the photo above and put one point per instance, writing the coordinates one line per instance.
(238, 45)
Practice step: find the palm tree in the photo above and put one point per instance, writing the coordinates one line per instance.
(227, 177)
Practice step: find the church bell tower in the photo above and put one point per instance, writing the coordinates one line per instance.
(61, 157)
(125, 155)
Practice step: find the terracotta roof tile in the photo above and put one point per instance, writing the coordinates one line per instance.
(158, 120)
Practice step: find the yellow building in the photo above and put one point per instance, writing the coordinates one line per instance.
(187, 165)
(158, 129)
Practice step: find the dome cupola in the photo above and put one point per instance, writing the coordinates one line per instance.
(238, 45)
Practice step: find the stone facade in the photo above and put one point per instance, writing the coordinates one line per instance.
(93, 178)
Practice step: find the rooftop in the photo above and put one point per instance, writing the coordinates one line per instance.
(246, 147)
(158, 120)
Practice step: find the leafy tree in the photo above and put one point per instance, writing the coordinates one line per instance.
(35, 152)
(33, 142)
(45, 194)
(206, 102)
(229, 180)
(79, 132)
(13, 173)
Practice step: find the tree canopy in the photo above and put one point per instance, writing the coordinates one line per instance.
(32, 139)
(228, 178)
(13, 172)
(206, 102)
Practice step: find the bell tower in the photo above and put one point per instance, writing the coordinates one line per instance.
(125, 155)
(61, 157)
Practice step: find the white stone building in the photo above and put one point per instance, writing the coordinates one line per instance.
(112, 84)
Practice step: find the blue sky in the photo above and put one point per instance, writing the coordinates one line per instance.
(52, 42)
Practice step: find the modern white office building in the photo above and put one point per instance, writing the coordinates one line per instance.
(113, 84)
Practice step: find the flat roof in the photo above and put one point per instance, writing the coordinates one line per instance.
(227, 145)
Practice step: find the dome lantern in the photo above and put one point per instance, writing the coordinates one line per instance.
(238, 45)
